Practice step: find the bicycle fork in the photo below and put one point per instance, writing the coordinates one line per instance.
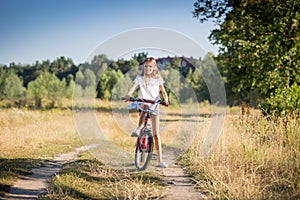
(143, 141)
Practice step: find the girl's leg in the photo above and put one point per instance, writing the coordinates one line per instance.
(142, 116)
(141, 119)
(140, 123)
(156, 136)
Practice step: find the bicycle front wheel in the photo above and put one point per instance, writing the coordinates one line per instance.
(143, 152)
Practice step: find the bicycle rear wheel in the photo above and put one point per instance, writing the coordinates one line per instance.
(144, 149)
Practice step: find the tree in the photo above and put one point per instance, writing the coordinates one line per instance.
(37, 92)
(173, 84)
(140, 58)
(4, 73)
(100, 59)
(194, 79)
(79, 78)
(55, 90)
(46, 88)
(89, 79)
(259, 42)
(70, 86)
(78, 91)
(107, 81)
(121, 87)
(13, 88)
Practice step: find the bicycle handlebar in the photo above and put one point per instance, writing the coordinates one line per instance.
(146, 101)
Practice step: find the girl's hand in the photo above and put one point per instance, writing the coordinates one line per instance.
(166, 103)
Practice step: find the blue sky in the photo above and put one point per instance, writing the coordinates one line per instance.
(47, 29)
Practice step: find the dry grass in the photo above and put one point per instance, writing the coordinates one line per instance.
(256, 158)
(86, 178)
(28, 138)
(36, 134)
(90, 179)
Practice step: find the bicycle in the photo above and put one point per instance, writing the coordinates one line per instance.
(144, 143)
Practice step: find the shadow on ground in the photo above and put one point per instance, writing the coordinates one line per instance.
(12, 169)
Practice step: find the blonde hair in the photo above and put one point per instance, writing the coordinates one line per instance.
(150, 61)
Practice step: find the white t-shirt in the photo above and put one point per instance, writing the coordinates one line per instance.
(149, 88)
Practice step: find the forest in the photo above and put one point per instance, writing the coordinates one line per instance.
(45, 84)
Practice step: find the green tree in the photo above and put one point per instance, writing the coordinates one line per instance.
(176, 63)
(134, 68)
(100, 59)
(70, 86)
(194, 79)
(4, 73)
(55, 90)
(13, 88)
(173, 84)
(36, 92)
(140, 57)
(121, 87)
(78, 91)
(47, 88)
(259, 42)
(107, 81)
(89, 79)
(79, 78)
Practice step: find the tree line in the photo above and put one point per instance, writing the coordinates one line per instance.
(46, 84)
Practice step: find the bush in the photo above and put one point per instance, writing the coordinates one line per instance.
(284, 101)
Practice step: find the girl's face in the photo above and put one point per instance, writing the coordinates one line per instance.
(148, 69)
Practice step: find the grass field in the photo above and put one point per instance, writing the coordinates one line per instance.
(255, 158)
(29, 138)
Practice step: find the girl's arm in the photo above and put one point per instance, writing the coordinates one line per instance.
(164, 93)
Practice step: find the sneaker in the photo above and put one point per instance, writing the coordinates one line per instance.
(162, 165)
(135, 133)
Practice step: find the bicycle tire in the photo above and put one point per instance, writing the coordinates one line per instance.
(143, 151)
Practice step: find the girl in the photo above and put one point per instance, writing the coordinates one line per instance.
(150, 84)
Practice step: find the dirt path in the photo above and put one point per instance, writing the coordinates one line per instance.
(180, 186)
(30, 187)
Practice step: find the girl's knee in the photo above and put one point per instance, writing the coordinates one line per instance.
(156, 135)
